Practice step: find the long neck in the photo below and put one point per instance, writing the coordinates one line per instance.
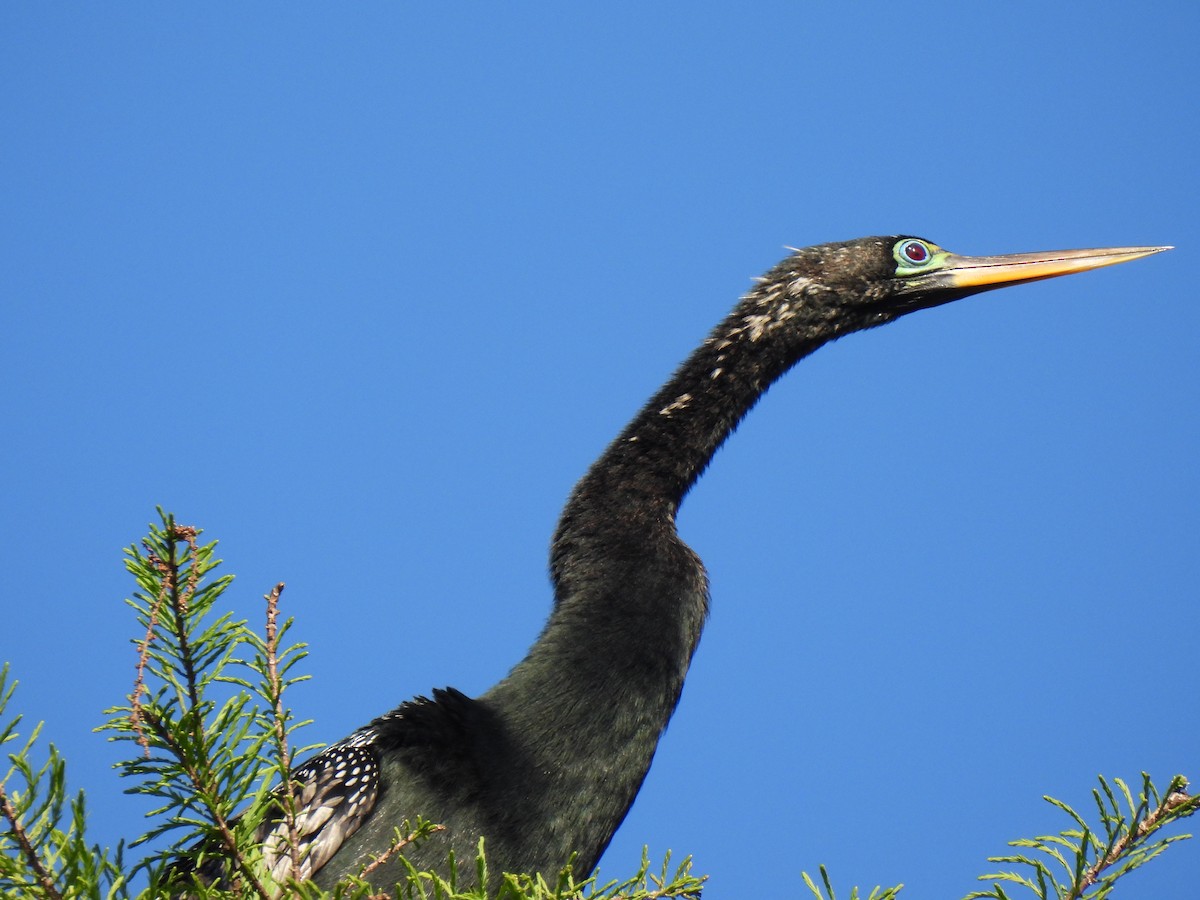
(626, 587)
(601, 682)
(655, 461)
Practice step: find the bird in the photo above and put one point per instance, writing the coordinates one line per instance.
(545, 765)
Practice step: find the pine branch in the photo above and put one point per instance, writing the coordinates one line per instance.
(206, 790)
(1176, 805)
(1090, 862)
(139, 682)
(31, 855)
(275, 690)
(213, 772)
(423, 829)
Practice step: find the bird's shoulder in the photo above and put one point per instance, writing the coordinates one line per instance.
(448, 721)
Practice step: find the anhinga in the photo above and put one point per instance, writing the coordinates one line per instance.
(547, 763)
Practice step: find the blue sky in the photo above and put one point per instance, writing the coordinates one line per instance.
(362, 291)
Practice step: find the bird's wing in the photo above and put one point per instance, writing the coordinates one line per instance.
(334, 793)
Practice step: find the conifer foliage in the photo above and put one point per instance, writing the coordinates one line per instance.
(212, 743)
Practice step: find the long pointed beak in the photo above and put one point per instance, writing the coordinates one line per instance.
(983, 272)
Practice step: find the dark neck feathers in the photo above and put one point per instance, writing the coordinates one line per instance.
(598, 687)
(657, 459)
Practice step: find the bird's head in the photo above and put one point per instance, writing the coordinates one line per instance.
(883, 278)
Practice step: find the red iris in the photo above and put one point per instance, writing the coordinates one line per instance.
(916, 251)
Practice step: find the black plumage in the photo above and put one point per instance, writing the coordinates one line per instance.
(547, 763)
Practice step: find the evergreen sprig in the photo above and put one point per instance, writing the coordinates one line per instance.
(1092, 859)
(213, 744)
(200, 753)
(43, 845)
(825, 890)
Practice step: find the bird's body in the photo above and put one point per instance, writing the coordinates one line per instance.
(547, 763)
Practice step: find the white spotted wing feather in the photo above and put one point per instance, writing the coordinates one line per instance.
(335, 792)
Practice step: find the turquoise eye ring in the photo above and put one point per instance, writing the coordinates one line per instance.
(912, 253)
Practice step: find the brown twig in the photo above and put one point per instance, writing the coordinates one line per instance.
(18, 831)
(397, 845)
(181, 600)
(139, 682)
(169, 573)
(285, 754)
(168, 570)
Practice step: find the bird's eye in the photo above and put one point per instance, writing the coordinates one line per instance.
(914, 256)
(913, 253)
